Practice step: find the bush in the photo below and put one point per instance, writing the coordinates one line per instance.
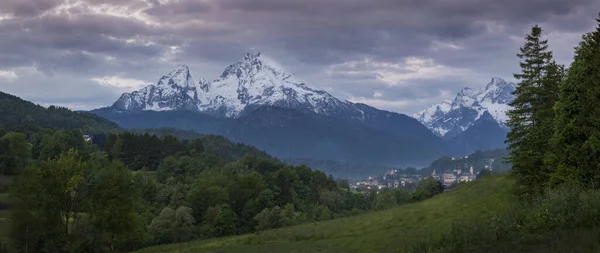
(277, 217)
(385, 200)
(221, 220)
(172, 226)
(427, 188)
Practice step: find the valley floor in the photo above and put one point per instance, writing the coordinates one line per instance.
(395, 230)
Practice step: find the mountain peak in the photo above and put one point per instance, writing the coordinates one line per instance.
(468, 106)
(249, 64)
(496, 82)
(179, 77)
(256, 64)
(182, 67)
(251, 56)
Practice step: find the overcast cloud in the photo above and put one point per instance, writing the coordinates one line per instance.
(399, 55)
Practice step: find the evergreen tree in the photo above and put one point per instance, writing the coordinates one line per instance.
(577, 129)
(528, 121)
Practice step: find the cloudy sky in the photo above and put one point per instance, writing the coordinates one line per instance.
(399, 55)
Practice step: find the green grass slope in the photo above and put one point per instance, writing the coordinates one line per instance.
(393, 230)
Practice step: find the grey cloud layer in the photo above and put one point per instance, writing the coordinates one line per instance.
(141, 38)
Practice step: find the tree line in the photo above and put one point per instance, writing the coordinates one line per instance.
(554, 135)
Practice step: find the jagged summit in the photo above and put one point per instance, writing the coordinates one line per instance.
(252, 64)
(253, 81)
(180, 77)
(434, 111)
(450, 119)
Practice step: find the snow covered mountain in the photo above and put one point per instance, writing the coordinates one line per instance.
(450, 118)
(258, 102)
(257, 81)
(245, 85)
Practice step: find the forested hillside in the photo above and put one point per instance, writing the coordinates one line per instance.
(144, 190)
(20, 115)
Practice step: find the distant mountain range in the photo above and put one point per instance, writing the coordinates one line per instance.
(475, 119)
(258, 102)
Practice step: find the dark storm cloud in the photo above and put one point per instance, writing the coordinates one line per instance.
(507, 9)
(141, 39)
(329, 31)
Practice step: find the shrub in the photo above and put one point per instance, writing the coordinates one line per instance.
(563, 213)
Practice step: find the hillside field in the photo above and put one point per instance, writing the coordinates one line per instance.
(394, 230)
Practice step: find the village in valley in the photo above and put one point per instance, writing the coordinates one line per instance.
(405, 179)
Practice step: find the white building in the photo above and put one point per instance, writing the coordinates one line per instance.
(448, 178)
(87, 138)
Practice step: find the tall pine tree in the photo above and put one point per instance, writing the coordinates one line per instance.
(555, 75)
(528, 137)
(577, 127)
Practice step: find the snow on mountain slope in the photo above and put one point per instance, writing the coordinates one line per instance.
(252, 82)
(257, 80)
(450, 119)
(173, 91)
(433, 112)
